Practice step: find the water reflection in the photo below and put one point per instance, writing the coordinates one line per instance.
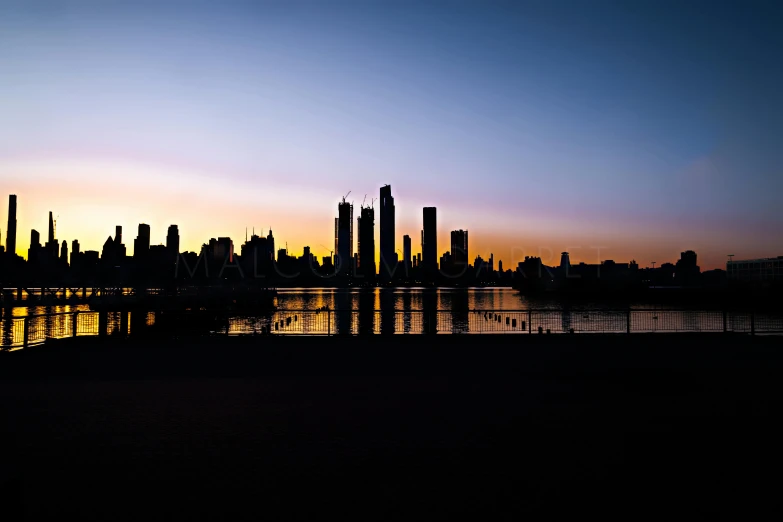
(565, 315)
(429, 306)
(366, 312)
(387, 313)
(406, 315)
(342, 303)
(384, 311)
(459, 312)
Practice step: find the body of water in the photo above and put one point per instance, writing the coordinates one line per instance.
(400, 310)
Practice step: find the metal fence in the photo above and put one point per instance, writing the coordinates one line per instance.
(24, 331)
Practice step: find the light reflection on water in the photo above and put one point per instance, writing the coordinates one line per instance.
(403, 310)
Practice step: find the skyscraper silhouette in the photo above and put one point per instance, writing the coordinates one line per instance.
(429, 242)
(406, 253)
(52, 245)
(141, 245)
(366, 262)
(387, 232)
(459, 250)
(33, 254)
(51, 228)
(75, 249)
(344, 236)
(271, 242)
(10, 231)
(172, 243)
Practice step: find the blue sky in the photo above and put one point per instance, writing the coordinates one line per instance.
(643, 127)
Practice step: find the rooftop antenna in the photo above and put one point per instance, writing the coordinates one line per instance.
(245, 234)
(730, 257)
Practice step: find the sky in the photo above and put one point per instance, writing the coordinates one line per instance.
(613, 130)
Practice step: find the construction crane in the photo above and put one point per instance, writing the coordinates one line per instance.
(331, 252)
(346, 196)
(365, 199)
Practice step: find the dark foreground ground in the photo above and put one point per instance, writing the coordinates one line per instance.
(480, 428)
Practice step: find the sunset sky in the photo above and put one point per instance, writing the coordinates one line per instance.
(623, 130)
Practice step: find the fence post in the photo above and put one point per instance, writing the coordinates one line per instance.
(75, 323)
(628, 321)
(753, 323)
(26, 337)
(529, 321)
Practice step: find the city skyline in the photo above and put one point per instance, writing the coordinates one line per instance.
(604, 131)
(455, 252)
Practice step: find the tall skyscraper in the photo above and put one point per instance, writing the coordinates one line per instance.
(33, 254)
(51, 228)
(388, 252)
(52, 245)
(406, 252)
(344, 234)
(565, 261)
(118, 234)
(459, 250)
(75, 249)
(10, 231)
(172, 243)
(429, 241)
(366, 261)
(141, 245)
(270, 239)
(64, 253)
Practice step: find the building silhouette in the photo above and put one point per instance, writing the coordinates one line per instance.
(429, 242)
(75, 250)
(10, 231)
(387, 234)
(565, 260)
(686, 270)
(366, 261)
(141, 245)
(52, 245)
(113, 252)
(758, 271)
(343, 235)
(224, 249)
(406, 253)
(64, 253)
(270, 239)
(459, 251)
(34, 252)
(172, 243)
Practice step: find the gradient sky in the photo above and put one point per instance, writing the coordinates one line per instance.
(622, 130)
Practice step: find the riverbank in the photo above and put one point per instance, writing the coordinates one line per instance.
(479, 427)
